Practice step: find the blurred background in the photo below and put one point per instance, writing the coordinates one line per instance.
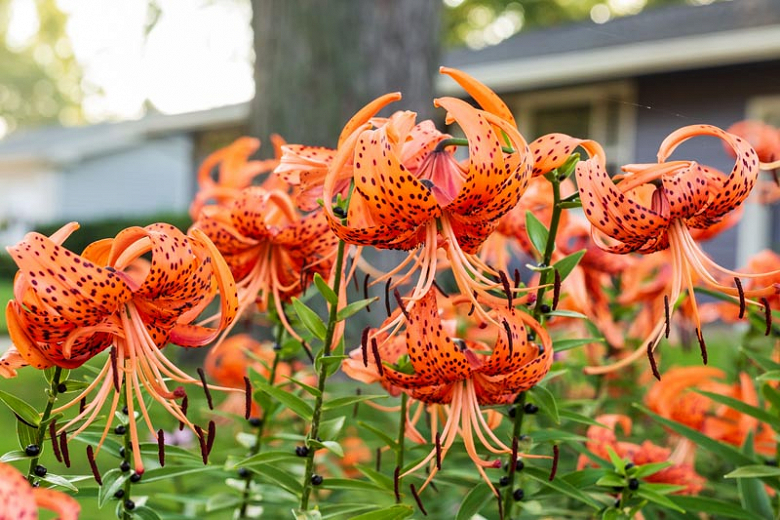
(108, 106)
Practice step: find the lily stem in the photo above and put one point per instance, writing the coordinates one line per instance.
(399, 456)
(517, 427)
(255, 449)
(127, 457)
(322, 376)
(52, 392)
(550, 245)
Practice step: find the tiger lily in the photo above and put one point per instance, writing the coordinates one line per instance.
(235, 171)
(674, 398)
(271, 249)
(655, 206)
(462, 374)
(680, 473)
(440, 203)
(19, 500)
(764, 138)
(69, 307)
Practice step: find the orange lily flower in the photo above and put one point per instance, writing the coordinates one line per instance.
(68, 308)
(271, 249)
(680, 473)
(19, 500)
(442, 203)
(764, 138)
(235, 173)
(674, 399)
(458, 373)
(655, 206)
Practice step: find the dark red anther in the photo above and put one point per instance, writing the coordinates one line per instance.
(114, 371)
(653, 366)
(212, 436)
(417, 499)
(387, 297)
(702, 346)
(161, 446)
(509, 340)
(205, 388)
(184, 404)
(247, 397)
(377, 358)
(364, 345)
(378, 459)
(667, 316)
(400, 302)
(53, 436)
(742, 304)
(517, 278)
(64, 449)
(365, 291)
(93, 465)
(204, 453)
(767, 316)
(438, 451)
(556, 288)
(554, 469)
(507, 287)
(473, 304)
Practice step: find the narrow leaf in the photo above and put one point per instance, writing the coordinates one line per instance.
(537, 232)
(325, 290)
(474, 501)
(353, 308)
(309, 319)
(291, 401)
(565, 265)
(21, 408)
(546, 402)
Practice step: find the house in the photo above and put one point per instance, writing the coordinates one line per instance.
(629, 82)
(127, 169)
(626, 83)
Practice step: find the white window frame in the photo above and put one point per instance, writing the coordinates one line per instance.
(597, 96)
(755, 228)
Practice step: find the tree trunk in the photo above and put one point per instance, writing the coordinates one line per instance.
(318, 61)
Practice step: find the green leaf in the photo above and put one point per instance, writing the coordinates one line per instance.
(611, 480)
(648, 469)
(713, 506)
(349, 400)
(325, 290)
(332, 446)
(144, 513)
(113, 480)
(772, 375)
(537, 232)
(618, 462)
(353, 308)
(752, 492)
(754, 470)
(579, 418)
(546, 402)
(740, 406)
(648, 494)
(266, 457)
(771, 395)
(568, 344)
(348, 483)
(167, 473)
(388, 440)
(26, 435)
(331, 428)
(57, 480)
(723, 451)
(474, 501)
(14, 455)
(398, 512)
(314, 392)
(281, 477)
(291, 401)
(20, 408)
(376, 477)
(74, 385)
(309, 319)
(560, 486)
(565, 265)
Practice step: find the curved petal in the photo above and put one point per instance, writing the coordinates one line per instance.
(483, 95)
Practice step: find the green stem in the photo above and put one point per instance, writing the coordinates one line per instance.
(126, 515)
(255, 449)
(399, 456)
(550, 246)
(321, 378)
(517, 427)
(42, 426)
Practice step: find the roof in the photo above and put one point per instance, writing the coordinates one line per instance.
(656, 40)
(62, 145)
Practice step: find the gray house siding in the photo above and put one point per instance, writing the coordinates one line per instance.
(153, 176)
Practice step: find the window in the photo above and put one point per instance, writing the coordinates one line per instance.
(603, 112)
